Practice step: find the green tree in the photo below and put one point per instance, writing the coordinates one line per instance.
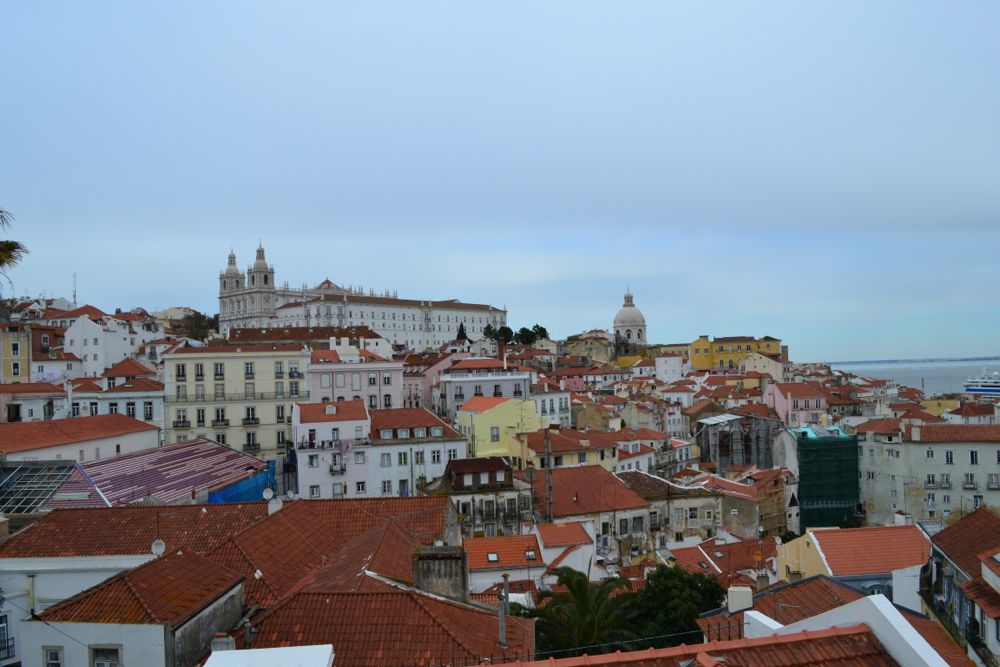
(587, 618)
(198, 325)
(670, 604)
(489, 332)
(505, 333)
(461, 333)
(11, 252)
(540, 332)
(524, 336)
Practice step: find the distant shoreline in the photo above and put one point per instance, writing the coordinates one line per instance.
(886, 362)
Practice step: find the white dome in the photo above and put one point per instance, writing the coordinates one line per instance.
(630, 325)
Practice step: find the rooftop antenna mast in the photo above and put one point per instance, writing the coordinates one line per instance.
(74, 288)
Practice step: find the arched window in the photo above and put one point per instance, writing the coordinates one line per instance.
(638, 334)
(265, 279)
(628, 334)
(253, 280)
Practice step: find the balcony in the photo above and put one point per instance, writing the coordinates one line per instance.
(251, 421)
(220, 376)
(251, 447)
(993, 485)
(238, 396)
(945, 484)
(930, 485)
(220, 422)
(278, 375)
(971, 486)
(7, 649)
(459, 397)
(295, 375)
(339, 445)
(198, 377)
(182, 423)
(498, 394)
(288, 420)
(338, 468)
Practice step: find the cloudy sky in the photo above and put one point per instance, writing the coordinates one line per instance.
(827, 173)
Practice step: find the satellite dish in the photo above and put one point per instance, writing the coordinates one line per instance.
(268, 494)
(158, 547)
(273, 505)
(257, 574)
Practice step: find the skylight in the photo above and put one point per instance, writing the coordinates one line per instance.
(530, 554)
(492, 557)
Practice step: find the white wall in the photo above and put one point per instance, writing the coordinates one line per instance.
(93, 450)
(141, 644)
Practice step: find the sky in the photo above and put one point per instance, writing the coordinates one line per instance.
(827, 173)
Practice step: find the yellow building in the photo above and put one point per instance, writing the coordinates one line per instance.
(491, 425)
(939, 406)
(239, 395)
(571, 447)
(15, 353)
(729, 352)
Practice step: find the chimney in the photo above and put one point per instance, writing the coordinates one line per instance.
(441, 570)
(502, 611)
(223, 642)
(762, 582)
(739, 598)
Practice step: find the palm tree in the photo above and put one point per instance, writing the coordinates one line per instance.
(589, 617)
(11, 252)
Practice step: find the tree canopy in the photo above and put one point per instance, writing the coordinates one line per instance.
(11, 252)
(670, 603)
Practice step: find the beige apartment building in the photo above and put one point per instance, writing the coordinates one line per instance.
(239, 395)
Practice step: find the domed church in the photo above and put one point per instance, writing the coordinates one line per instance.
(630, 327)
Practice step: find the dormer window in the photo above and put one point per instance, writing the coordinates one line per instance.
(385, 434)
(420, 432)
(403, 433)
(437, 431)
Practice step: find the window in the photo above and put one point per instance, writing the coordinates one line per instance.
(930, 453)
(452, 454)
(949, 458)
(436, 431)
(359, 457)
(436, 456)
(637, 524)
(360, 488)
(623, 527)
(248, 370)
(420, 432)
(418, 458)
(403, 458)
(387, 401)
(387, 487)
(494, 434)
(314, 491)
(386, 379)
(692, 512)
(180, 371)
(372, 379)
(501, 475)
(53, 656)
(220, 370)
(385, 459)
(338, 489)
(105, 657)
(314, 460)
(113, 408)
(581, 457)
(974, 457)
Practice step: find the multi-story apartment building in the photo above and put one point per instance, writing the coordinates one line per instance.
(127, 387)
(487, 497)
(344, 451)
(479, 377)
(254, 300)
(240, 395)
(927, 470)
(728, 353)
(346, 372)
(15, 353)
(552, 402)
(797, 403)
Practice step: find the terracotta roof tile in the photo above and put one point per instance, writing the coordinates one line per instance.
(167, 590)
(888, 426)
(872, 550)
(31, 388)
(585, 490)
(968, 537)
(984, 595)
(498, 553)
(26, 436)
(960, 433)
(340, 411)
(128, 368)
(397, 418)
(563, 534)
(483, 403)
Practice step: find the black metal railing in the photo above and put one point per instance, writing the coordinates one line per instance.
(220, 422)
(7, 649)
(239, 396)
(251, 421)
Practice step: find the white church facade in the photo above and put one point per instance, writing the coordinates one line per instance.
(252, 299)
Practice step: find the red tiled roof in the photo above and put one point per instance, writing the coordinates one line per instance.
(410, 418)
(959, 433)
(499, 553)
(92, 312)
(585, 490)
(237, 348)
(138, 384)
(563, 534)
(31, 388)
(920, 415)
(167, 590)
(257, 335)
(475, 364)
(984, 595)
(888, 426)
(483, 403)
(366, 627)
(26, 436)
(131, 530)
(839, 646)
(872, 550)
(127, 368)
(756, 410)
(968, 537)
(973, 410)
(315, 413)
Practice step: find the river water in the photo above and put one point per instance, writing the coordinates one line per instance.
(934, 377)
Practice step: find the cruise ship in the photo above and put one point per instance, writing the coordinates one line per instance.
(987, 384)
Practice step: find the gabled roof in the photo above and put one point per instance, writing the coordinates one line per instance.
(563, 534)
(958, 433)
(873, 550)
(131, 530)
(128, 368)
(798, 390)
(168, 474)
(167, 590)
(585, 490)
(411, 418)
(340, 411)
(27, 436)
(973, 410)
(485, 464)
(889, 426)
(501, 553)
(136, 385)
(968, 537)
